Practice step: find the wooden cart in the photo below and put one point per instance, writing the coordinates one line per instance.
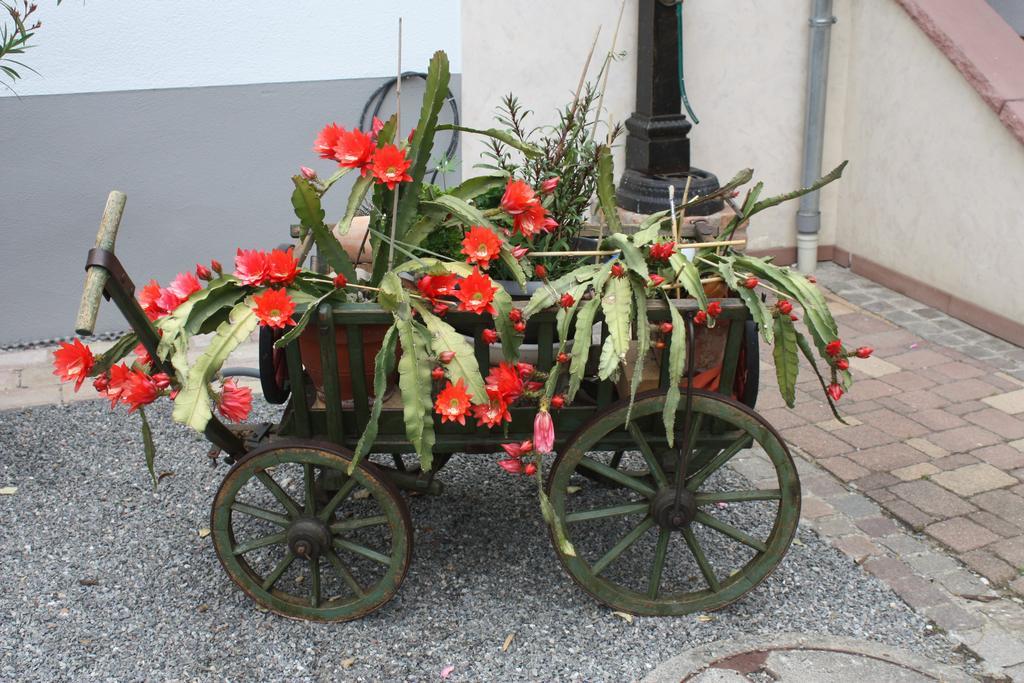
(651, 530)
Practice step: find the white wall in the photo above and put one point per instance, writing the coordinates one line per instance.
(106, 45)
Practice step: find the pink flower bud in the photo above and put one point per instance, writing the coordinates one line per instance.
(307, 172)
(543, 432)
(203, 273)
(549, 185)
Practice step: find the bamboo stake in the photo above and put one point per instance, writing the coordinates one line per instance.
(398, 136)
(605, 68)
(612, 252)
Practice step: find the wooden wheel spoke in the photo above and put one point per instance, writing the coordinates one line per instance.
(268, 515)
(702, 560)
(737, 496)
(600, 513)
(617, 476)
(283, 498)
(358, 523)
(273, 576)
(620, 547)
(730, 531)
(362, 550)
(660, 551)
(338, 498)
(343, 572)
(314, 582)
(699, 477)
(263, 542)
(309, 481)
(645, 448)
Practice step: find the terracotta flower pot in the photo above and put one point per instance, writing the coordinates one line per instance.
(309, 348)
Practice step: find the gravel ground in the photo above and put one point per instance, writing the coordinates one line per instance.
(104, 579)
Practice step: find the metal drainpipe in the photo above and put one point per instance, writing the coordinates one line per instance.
(808, 217)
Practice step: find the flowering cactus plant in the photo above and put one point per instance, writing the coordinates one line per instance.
(438, 373)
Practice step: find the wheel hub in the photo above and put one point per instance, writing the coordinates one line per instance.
(308, 537)
(664, 511)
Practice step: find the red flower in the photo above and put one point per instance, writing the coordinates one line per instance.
(524, 369)
(115, 385)
(518, 197)
(511, 466)
(784, 306)
(142, 354)
(139, 390)
(162, 380)
(834, 348)
(436, 286)
(235, 401)
(714, 309)
(282, 266)
(835, 391)
(354, 149)
(517, 450)
(543, 432)
(390, 166)
(751, 282)
(453, 403)
(540, 271)
(549, 185)
(184, 285)
(251, 267)
(203, 273)
(72, 362)
(567, 300)
(340, 281)
(148, 299)
(481, 246)
(476, 292)
(504, 382)
(662, 251)
(168, 300)
(274, 308)
(326, 140)
(700, 317)
(489, 336)
(492, 414)
(864, 352)
(618, 270)
(532, 221)
(657, 280)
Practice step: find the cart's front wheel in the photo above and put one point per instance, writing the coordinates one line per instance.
(306, 540)
(649, 547)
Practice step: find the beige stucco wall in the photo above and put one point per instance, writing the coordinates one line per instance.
(937, 180)
(930, 164)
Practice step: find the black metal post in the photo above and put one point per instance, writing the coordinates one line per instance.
(658, 144)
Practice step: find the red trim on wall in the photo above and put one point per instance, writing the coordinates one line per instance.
(983, 47)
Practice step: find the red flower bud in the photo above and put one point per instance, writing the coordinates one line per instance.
(811, 278)
(446, 357)
(864, 351)
(215, 266)
(437, 373)
(549, 185)
(161, 380)
(540, 271)
(734, 194)
(512, 466)
(519, 252)
(843, 364)
(307, 172)
(834, 348)
(515, 315)
(751, 282)
(714, 309)
(533, 386)
(530, 469)
(524, 370)
(520, 327)
(566, 301)
(794, 317)
(203, 273)
(101, 383)
(557, 401)
(489, 336)
(666, 328)
(656, 280)
(340, 281)
(563, 358)
(835, 391)
(618, 270)
(784, 306)
(660, 344)
(700, 317)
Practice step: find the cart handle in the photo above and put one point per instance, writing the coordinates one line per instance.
(95, 276)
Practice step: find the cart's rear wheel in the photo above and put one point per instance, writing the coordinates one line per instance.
(635, 550)
(303, 550)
